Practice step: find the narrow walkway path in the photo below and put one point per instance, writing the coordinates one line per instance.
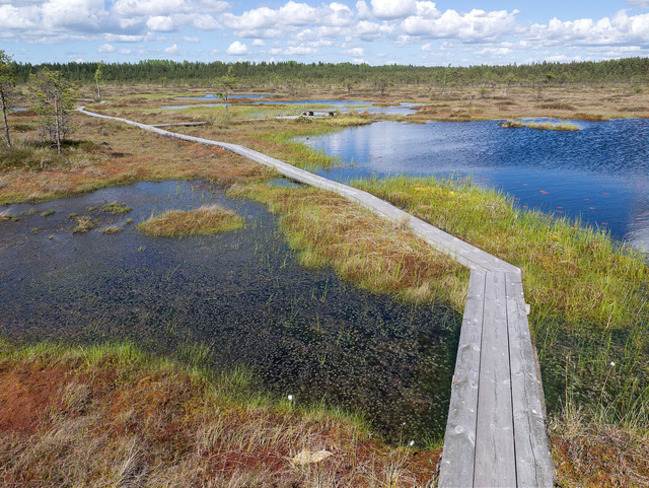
(495, 433)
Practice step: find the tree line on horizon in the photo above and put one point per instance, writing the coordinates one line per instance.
(629, 70)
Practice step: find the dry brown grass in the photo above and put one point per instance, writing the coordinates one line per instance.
(203, 220)
(69, 420)
(590, 452)
(120, 154)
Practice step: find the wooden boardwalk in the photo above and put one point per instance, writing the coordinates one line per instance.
(496, 434)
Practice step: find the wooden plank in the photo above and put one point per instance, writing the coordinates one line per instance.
(456, 469)
(183, 124)
(534, 465)
(494, 457)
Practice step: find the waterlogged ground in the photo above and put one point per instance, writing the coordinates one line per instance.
(599, 174)
(234, 298)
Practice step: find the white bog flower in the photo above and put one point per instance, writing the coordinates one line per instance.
(290, 398)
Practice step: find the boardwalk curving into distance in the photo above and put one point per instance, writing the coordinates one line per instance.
(495, 433)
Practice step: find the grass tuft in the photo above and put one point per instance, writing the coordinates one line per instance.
(203, 220)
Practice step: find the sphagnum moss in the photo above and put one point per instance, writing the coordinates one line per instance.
(110, 415)
(200, 221)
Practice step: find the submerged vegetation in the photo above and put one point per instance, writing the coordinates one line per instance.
(113, 416)
(200, 221)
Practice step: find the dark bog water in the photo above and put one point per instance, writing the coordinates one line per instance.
(242, 294)
(599, 174)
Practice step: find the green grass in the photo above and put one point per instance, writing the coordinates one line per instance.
(200, 221)
(378, 255)
(570, 272)
(588, 295)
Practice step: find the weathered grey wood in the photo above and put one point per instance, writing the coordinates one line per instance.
(534, 466)
(183, 124)
(509, 438)
(494, 456)
(458, 457)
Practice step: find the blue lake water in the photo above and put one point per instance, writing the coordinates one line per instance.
(599, 174)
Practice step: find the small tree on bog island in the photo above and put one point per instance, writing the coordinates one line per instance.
(54, 97)
(7, 82)
(223, 86)
(99, 78)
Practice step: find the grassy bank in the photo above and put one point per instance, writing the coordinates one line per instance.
(570, 272)
(113, 416)
(327, 229)
(201, 221)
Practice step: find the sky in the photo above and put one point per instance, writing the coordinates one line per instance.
(376, 32)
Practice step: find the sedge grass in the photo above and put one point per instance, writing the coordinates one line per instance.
(376, 254)
(572, 273)
(200, 221)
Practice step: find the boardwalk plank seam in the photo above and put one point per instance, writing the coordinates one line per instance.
(533, 466)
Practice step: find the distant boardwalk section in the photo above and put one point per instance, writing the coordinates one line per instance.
(496, 434)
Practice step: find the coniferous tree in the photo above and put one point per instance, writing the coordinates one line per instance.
(53, 95)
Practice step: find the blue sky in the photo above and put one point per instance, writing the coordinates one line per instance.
(460, 32)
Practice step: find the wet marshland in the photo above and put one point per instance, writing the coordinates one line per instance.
(234, 299)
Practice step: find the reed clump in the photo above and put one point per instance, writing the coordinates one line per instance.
(517, 124)
(203, 220)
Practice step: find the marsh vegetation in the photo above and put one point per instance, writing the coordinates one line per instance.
(588, 296)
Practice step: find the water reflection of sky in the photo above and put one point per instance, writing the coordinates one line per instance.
(343, 105)
(242, 294)
(600, 173)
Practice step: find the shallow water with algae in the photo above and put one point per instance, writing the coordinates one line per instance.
(235, 298)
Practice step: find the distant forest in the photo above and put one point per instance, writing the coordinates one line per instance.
(628, 70)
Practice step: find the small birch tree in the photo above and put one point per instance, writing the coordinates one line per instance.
(53, 95)
(223, 86)
(7, 82)
(99, 78)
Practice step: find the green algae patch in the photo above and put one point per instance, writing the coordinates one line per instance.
(201, 221)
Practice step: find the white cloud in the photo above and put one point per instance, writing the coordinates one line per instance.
(123, 38)
(106, 48)
(393, 9)
(363, 12)
(237, 48)
(124, 51)
(639, 3)
(299, 50)
(356, 51)
(620, 29)
(83, 14)
(172, 49)
(475, 25)
(160, 23)
(18, 18)
(258, 43)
